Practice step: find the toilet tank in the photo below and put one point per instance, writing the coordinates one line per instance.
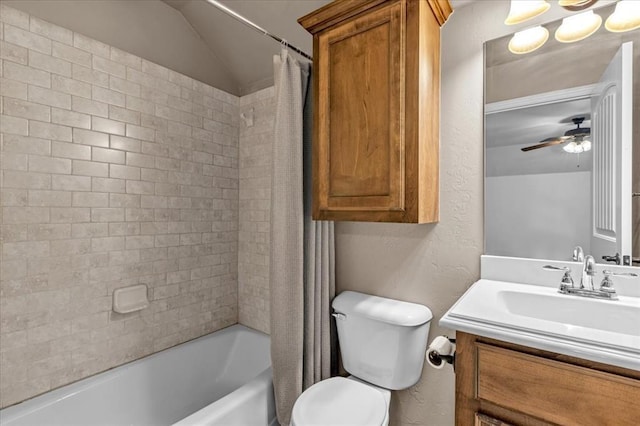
(382, 341)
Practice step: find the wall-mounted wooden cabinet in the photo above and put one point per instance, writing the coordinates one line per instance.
(376, 119)
(501, 384)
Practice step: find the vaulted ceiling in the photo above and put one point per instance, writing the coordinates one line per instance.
(247, 54)
(190, 36)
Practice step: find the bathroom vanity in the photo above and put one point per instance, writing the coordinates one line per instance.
(544, 342)
(501, 383)
(528, 355)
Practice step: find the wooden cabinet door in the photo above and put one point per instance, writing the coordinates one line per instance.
(359, 155)
(553, 391)
(526, 386)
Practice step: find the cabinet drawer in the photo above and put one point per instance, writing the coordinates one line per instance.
(554, 391)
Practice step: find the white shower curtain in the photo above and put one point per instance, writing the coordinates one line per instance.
(302, 262)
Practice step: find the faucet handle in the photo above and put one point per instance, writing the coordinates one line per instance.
(607, 283)
(566, 280)
(607, 273)
(556, 268)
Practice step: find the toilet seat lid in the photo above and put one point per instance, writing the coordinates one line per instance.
(339, 401)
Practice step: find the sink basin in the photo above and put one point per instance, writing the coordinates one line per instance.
(538, 316)
(571, 310)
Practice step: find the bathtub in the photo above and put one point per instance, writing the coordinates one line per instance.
(223, 378)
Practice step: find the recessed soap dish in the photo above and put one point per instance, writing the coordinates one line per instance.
(130, 299)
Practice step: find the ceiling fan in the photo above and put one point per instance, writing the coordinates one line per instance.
(575, 139)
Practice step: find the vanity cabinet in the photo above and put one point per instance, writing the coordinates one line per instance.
(376, 86)
(499, 383)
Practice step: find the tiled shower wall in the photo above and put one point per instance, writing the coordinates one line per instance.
(115, 171)
(256, 142)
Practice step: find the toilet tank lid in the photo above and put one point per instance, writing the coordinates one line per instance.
(381, 309)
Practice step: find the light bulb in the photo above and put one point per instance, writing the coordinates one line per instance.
(574, 147)
(626, 17)
(578, 27)
(571, 148)
(522, 10)
(528, 40)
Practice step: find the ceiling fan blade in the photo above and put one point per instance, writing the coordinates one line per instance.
(558, 138)
(545, 143)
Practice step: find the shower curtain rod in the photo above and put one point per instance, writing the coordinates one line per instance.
(256, 27)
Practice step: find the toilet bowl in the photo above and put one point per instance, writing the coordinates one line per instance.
(351, 402)
(383, 343)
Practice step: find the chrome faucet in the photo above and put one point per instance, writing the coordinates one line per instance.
(586, 288)
(578, 254)
(588, 272)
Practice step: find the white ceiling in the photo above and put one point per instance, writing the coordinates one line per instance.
(246, 53)
(507, 132)
(527, 126)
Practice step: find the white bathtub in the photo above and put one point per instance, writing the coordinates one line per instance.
(223, 378)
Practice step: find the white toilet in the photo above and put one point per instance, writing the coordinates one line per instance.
(383, 344)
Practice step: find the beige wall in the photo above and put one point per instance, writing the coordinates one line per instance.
(115, 171)
(256, 145)
(435, 264)
(150, 29)
(429, 264)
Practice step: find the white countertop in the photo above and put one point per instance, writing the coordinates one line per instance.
(536, 315)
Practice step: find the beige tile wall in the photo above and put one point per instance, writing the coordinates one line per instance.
(256, 142)
(115, 171)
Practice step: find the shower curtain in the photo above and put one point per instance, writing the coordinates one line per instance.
(302, 282)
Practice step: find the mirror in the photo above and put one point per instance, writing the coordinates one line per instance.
(543, 201)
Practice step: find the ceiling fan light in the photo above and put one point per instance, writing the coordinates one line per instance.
(578, 27)
(571, 148)
(574, 147)
(522, 10)
(528, 40)
(626, 17)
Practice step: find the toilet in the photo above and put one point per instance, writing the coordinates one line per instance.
(383, 344)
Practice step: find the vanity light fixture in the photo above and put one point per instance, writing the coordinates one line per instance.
(522, 10)
(528, 40)
(576, 5)
(578, 27)
(626, 17)
(578, 147)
